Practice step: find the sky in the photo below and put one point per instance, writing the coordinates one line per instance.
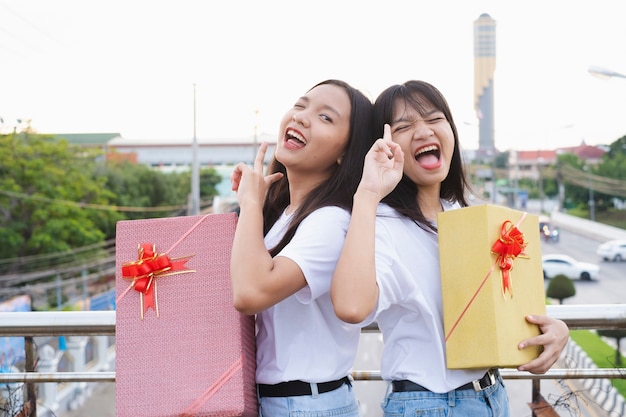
(221, 70)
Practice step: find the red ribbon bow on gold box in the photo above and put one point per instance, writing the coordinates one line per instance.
(509, 246)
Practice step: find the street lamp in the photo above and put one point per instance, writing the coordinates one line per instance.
(604, 73)
(601, 73)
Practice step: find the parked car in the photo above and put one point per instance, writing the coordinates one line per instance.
(556, 264)
(613, 250)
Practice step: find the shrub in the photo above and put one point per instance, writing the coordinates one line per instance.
(560, 288)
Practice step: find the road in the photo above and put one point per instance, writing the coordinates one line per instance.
(610, 287)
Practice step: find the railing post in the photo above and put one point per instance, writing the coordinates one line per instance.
(102, 352)
(536, 394)
(76, 348)
(49, 362)
(29, 365)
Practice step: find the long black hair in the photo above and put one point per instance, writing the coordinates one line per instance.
(420, 95)
(338, 189)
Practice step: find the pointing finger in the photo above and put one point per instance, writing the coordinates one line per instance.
(387, 132)
(260, 158)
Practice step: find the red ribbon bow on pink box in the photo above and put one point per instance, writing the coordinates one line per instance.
(144, 272)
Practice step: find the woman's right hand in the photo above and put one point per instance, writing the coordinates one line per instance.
(383, 166)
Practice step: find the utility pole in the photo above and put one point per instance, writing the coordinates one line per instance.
(195, 170)
(592, 202)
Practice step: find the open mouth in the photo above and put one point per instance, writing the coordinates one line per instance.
(295, 138)
(428, 155)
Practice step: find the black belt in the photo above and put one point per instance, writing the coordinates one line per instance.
(485, 382)
(295, 388)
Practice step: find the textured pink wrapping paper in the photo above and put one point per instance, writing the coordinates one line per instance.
(198, 356)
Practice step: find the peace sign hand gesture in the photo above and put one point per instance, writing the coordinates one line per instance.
(250, 183)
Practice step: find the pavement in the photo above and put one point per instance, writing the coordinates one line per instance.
(101, 403)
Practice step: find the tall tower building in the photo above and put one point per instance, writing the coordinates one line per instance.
(484, 67)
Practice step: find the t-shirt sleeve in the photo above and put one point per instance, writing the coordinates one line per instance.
(316, 247)
(389, 289)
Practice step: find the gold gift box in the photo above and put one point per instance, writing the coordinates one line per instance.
(484, 316)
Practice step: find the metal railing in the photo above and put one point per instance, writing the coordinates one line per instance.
(91, 323)
(98, 323)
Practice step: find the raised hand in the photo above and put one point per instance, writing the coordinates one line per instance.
(383, 166)
(250, 183)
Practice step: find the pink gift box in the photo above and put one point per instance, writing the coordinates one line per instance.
(197, 356)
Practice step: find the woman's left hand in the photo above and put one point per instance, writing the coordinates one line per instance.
(554, 337)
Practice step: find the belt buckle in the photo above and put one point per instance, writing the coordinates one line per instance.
(492, 380)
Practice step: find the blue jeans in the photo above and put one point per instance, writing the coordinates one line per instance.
(491, 402)
(337, 403)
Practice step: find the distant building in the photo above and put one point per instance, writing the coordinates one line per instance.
(528, 164)
(591, 154)
(484, 68)
(171, 155)
(87, 139)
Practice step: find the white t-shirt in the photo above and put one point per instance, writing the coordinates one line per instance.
(409, 312)
(301, 338)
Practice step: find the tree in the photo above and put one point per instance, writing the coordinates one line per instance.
(137, 185)
(44, 184)
(55, 197)
(560, 288)
(618, 335)
(616, 148)
(209, 178)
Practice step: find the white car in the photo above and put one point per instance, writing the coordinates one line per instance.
(554, 265)
(613, 250)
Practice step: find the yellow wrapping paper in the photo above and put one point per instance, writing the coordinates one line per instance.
(484, 313)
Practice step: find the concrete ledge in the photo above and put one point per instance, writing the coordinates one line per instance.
(588, 228)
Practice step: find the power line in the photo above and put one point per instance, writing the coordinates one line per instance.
(105, 245)
(32, 25)
(609, 186)
(91, 206)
